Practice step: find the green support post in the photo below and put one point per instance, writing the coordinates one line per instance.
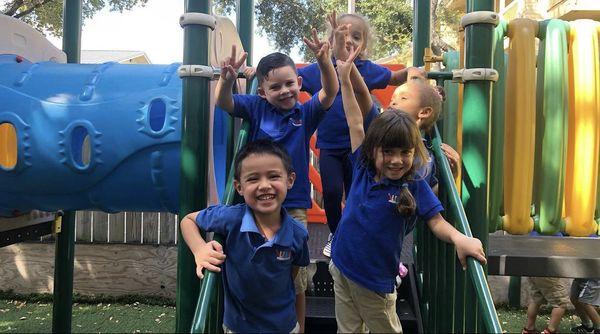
(420, 37)
(194, 165)
(245, 26)
(64, 254)
(64, 259)
(479, 39)
(421, 26)
(514, 292)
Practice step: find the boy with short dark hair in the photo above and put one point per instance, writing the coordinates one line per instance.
(276, 114)
(264, 246)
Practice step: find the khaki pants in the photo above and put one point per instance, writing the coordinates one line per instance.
(358, 308)
(301, 280)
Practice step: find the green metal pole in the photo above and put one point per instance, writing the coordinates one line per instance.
(514, 292)
(64, 253)
(479, 39)
(72, 30)
(421, 32)
(421, 18)
(194, 150)
(64, 260)
(476, 114)
(245, 26)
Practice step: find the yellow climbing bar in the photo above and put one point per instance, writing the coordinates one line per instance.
(519, 134)
(584, 129)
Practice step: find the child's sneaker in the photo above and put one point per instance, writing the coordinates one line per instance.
(327, 248)
(582, 329)
(529, 331)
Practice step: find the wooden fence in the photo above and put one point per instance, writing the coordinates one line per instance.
(149, 228)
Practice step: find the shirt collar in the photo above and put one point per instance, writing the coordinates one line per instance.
(283, 237)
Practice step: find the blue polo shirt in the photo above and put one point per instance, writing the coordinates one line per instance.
(292, 129)
(257, 273)
(333, 131)
(367, 243)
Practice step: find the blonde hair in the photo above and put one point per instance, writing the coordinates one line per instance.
(432, 99)
(396, 129)
(368, 34)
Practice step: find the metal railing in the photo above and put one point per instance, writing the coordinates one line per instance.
(452, 300)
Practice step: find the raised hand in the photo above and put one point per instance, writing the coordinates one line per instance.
(345, 67)
(318, 47)
(230, 66)
(341, 34)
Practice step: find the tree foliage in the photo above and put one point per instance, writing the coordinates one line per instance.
(284, 22)
(46, 15)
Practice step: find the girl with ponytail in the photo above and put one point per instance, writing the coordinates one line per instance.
(386, 195)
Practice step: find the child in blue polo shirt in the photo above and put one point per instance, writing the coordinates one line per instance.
(333, 139)
(276, 114)
(263, 248)
(384, 197)
(424, 104)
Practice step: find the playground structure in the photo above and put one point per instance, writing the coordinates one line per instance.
(444, 291)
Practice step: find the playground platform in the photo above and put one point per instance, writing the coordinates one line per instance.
(515, 255)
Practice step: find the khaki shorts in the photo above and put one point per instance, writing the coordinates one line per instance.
(549, 289)
(301, 281)
(359, 310)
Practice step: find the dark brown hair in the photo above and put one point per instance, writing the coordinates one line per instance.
(395, 129)
(262, 147)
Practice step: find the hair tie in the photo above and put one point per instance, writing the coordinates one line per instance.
(405, 185)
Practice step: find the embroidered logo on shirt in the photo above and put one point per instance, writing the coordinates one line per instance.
(296, 122)
(392, 198)
(283, 254)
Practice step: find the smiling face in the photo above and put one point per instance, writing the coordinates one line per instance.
(407, 98)
(281, 87)
(264, 182)
(393, 163)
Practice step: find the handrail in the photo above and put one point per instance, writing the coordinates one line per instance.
(208, 317)
(474, 268)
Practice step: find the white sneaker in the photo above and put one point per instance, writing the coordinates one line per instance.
(327, 248)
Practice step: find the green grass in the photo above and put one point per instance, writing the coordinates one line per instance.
(18, 316)
(130, 314)
(513, 320)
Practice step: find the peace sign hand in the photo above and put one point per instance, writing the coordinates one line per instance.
(318, 47)
(230, 66)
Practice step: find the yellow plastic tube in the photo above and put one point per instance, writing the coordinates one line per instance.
(519, 133)
(584, 126)
(8, 146)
